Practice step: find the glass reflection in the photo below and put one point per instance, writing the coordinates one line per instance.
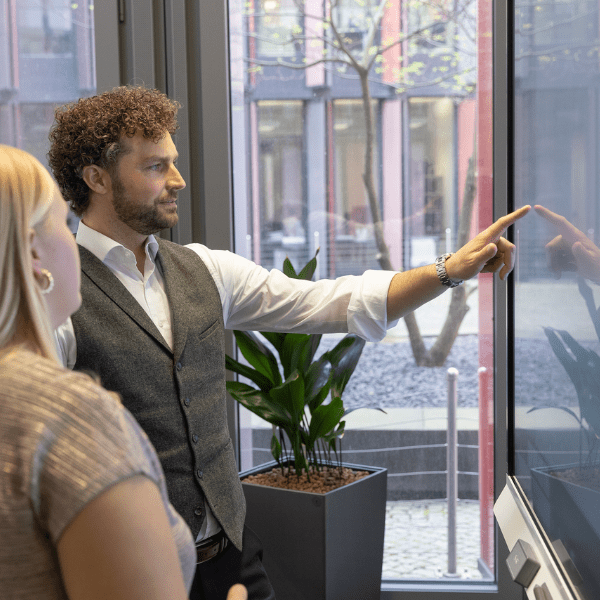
(557, 324)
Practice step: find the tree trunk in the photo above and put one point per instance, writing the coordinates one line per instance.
(458, 303)
(458, 308)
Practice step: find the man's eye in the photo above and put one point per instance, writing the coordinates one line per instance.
(155, 167)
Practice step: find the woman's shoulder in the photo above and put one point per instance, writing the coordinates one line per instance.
(38, 395)
(25, 376)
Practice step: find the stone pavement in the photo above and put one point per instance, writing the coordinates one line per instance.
(416, 539)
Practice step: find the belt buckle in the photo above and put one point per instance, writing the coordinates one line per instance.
(205, 553)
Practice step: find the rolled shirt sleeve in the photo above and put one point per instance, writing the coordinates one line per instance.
(254, 298)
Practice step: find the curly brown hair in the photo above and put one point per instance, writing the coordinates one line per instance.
(89, 132)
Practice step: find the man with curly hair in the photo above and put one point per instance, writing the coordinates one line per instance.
(153, 316)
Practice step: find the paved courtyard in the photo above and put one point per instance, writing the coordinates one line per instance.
(416, 539)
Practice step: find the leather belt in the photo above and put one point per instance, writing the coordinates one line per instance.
(211, 547)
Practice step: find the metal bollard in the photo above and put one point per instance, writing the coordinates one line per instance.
(452, 472)
(248, 246)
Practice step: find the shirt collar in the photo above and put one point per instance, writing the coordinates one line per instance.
(106, 248)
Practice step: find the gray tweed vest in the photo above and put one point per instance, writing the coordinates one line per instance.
(178, 397)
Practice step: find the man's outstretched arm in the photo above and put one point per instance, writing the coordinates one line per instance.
(487, 252)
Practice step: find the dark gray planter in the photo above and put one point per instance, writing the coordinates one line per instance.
(570, 513)
(321, 546)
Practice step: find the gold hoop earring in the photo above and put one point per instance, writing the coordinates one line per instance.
(48, 276)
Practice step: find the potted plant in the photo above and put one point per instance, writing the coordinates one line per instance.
(322, 528)
(566, 497)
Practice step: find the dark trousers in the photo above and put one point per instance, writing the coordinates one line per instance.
(214, 577)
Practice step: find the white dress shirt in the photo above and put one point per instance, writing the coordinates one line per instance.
(252, 298)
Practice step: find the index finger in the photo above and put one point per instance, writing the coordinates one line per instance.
(565, 227)
(495, 230)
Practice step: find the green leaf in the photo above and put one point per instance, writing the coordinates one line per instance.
(315, 340)
(351, 410)
(309, 270)
(258, 355)
(274, 338)
(325, 418)
(264, 383)
(317, 382)
(338, 433)
(290, 397)
(259, 403)
(275, 448)
(295, 353)
(344, 358)
(288, 269)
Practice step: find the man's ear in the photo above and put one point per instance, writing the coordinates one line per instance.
(97, 179)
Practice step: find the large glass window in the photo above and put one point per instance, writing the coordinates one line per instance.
(353, 236)
(276, 23)
(47, 59)
(282, 201)
(432, 185)
(557, 333)
(389, 187)
(45, 27)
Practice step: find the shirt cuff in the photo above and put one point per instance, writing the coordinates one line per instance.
(367, 311)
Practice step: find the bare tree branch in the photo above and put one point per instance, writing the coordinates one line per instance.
(342, 45)
(375, 23)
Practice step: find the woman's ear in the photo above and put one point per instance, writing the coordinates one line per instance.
(34, 246)
(97, 179)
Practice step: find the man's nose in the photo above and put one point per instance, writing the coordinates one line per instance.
(176, 181)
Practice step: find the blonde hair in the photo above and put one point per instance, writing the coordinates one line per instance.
(26, 192)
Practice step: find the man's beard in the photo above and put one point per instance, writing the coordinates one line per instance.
(145, 220)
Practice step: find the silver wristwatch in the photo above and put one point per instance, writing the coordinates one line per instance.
(440, 268)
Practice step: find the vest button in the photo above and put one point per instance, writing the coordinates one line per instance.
(195, 439)
(198, 511)
(199, 473)
(187, 401)
(179, 366)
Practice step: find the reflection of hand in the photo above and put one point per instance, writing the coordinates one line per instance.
(487, 252)
(571, 250)
(237, 592)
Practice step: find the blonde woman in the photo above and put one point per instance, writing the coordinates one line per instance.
(83, 505)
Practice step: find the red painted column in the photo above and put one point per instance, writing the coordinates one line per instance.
(486, 289)
(392, 135)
